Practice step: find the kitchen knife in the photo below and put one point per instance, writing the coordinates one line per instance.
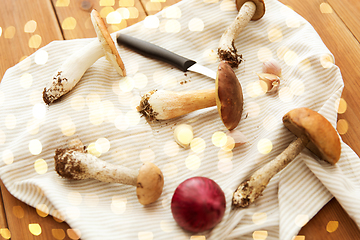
(153, 51)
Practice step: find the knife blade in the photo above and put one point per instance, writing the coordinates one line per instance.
(154, 51)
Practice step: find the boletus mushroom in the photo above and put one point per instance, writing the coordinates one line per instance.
(74, 67)
(227, 96)
(77, 164)
(313, 131)
(248, 10)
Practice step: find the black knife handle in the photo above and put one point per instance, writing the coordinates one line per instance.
(153, 51)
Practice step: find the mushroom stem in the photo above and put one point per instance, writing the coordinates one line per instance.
(227, 50)
(251, 189)
(163, 104)
(72, 70)
(74, 164)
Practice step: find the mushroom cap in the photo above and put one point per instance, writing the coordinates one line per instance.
(150, 183)
(260, 8)
(324, 140)
(229, 96)
(110, 51)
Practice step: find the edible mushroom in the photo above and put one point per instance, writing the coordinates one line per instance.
(313, 131)
(248, 10)
(74, 67)
(77, 164)
(227, 96)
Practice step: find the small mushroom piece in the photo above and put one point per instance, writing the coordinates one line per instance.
(74, 67)
(248, 10)
(77, 164)
(314, 131)
(227, 96)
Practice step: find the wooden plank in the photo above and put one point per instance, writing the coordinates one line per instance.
(348, 11)
(341, 42)
(346, 49)
(74, 16)
(14, 41)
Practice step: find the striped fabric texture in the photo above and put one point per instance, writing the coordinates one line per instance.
(101, 112)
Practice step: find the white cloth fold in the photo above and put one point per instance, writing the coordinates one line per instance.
(101, 110)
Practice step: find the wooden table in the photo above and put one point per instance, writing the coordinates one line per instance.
(25, 26)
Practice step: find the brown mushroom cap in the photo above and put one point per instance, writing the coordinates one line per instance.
(150, 183)
(110, 51)
(324, 140)
(229, 96)
(260, 8)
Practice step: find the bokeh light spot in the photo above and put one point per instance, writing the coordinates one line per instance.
(41, 57)
(183, 134)
(153, 6)
(299, 237)
(332, 226)
(62, 3)
(260, 235)
(35, 147)
(197, 237)
(140, 80)
(227, 6)
(342, 126)
(145, 235)
(198, 145)
(172, 12)
(172, 26)
(10, 32)
(74, 198)
(42, 210)
(126, 3)
(35, 229)
(91, 148)
(40, 166)
(166, 226)
(5, 233)
(285, 94)
(118, 204)
(7, 156)
(325, 8)
(275, 35)
(74, 234)
(291, 58)
(196, 25)
(193, 162)
(151, 22)
(126, 84)
(35, 41)
(264, 146)
(26, 80)
(280, 52)
(69, 23)
(18, 211)
(292, 22)
(340, 105)
(133, 12)
(147, 155)
(253, 109)
(102, 145)
(218, 139)
(264, 54)
(124, 12)
(58, 233)
(114, 18)
(30, 26)
(106, 11)
(327, 61)
(259, 218)
(68, 128)
(301, 220)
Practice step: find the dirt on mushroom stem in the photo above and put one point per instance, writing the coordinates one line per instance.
(145, 108)
(230, 56)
